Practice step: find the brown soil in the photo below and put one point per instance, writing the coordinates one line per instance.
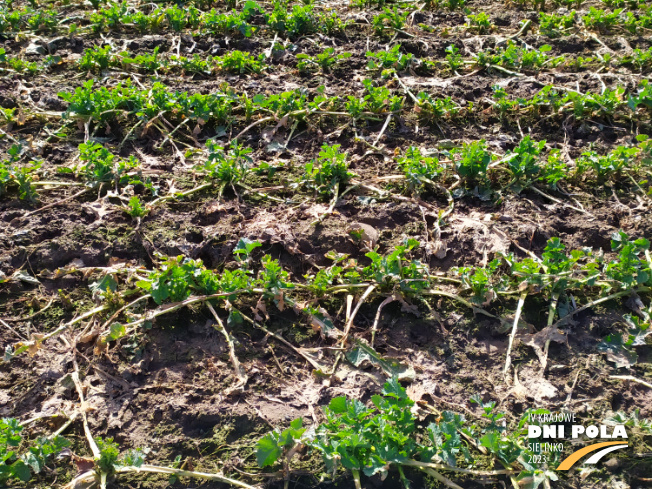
(167, 388)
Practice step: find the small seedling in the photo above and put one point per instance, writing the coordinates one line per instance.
(324, 60)
(331, 169)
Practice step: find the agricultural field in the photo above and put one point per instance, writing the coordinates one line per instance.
(360, 244)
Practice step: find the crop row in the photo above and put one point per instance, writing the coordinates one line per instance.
(555, 276)
(479, 171)
(126, 103)
(354, 437)
(371, 440)
(297, 20)
(500, 60)
(362, 439)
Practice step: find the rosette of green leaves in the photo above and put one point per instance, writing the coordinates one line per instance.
(368, 439)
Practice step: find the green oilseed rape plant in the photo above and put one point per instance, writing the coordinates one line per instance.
(601, 20)
(96, 59)
(474, 161)
(480, 23)
(554, 169)
(433, 109)
(240, 63)
(331, 23)
(523, 161)
(15, 467)
(419, 169)
(329, 171)
(389, 19)
(396, 269)
(147, 63)
(608, 166)
(368, 439)
(385, 435)
(325, 60)
(554, 25)
(14, 175)
(229, 166)
(300, 20)
(454, 58)
(101, 166)
(392, 58)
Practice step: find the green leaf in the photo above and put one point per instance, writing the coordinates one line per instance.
(532, 479)
(105, 284)
(246, 246)
(21, 471)
(617, 351)
(338, 405)
(267, 451)
(393, 388)
(116, 331)
(32, 460)
(491, 441)
(377, 466)
(144, 284)
(234, 318)
(159, 293)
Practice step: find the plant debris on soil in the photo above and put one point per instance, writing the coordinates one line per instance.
(407, 225)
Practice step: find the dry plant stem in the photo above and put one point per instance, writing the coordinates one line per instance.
(82, 409)
(504, 70)
(601, 300)
(396, 196)
(377, 318)
(645, 196)
(329, 211)
(124, 140)
(13, 330)
(59, 202)
(169, 136)
(60, 329)
(465, 302)
(517, 316)
(557, 201)
(315, 365)
(349, 323)
(382, 131)
(126, 306)
(289, 114)
(58, 184)
(577, 376)
(444, 480)
(525, 27)
(268, 53)
(551, 317)
(249, 190)
(239, 370)
(65, 425)
(12, 320)
(485, 473)
(182, 194)
(155, 469)
(407, 90)
(340, 355)
(167, 308)
(632, 378)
